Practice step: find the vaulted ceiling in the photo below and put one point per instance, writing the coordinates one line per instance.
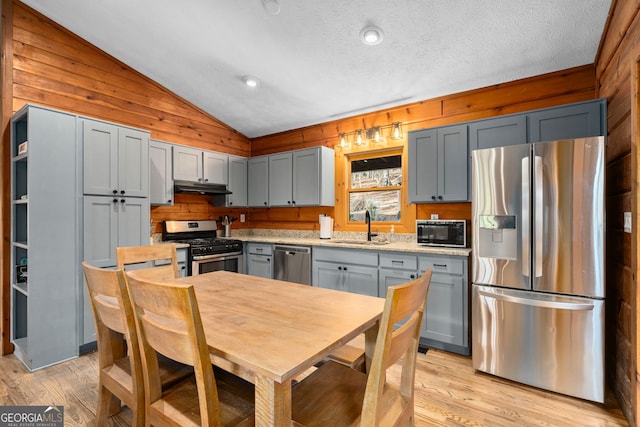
(310, 60)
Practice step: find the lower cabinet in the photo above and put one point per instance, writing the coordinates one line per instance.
(345, 270)
(446, 323)
(260, 259)
(182, 262)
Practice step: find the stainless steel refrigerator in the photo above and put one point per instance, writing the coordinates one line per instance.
(538, 265)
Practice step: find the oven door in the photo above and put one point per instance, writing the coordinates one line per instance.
(226, 262)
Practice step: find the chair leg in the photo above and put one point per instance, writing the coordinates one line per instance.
(108, 405)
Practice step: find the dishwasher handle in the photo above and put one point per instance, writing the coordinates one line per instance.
(292, 250)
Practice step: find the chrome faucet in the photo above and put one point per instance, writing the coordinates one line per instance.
(367, 220)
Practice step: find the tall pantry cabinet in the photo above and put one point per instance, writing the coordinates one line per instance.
(115, 165)
(44, 234)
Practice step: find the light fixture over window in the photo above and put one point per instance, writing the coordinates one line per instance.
(374, 134)
(371, 35)
(251, 81)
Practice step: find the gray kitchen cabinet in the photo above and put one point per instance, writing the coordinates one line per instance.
(115, 159)
(237, 182)
(446, 322)
(498, 132)
(577, 120)
(182, 262)
(192, 164)
(110, 222)
(160, 173)
(44, 236)
(281, 179)
(260, 259)
(395, 269)
(295, 178)
(314, 177)
(438, 165)
(258, 181)
(345, 270)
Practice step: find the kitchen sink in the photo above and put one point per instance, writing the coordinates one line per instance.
(359, 242)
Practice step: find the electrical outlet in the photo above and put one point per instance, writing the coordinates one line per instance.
(435, 216)
(242, 219)
(627, 222)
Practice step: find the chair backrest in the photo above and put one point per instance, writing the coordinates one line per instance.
(404, 303)
(114, 318)
(129, 255)
(169, 323)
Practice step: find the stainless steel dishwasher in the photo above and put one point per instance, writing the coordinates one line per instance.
(292, 263)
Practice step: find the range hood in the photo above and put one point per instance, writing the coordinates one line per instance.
(199, 188)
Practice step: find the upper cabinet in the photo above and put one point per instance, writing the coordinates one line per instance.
(294, 178)
(280, 179)
(258, 181)
(191, 164)
(237, 182)
(568, 121)
(438, 165)
(160, 173)
(115, 159)
(498, 132)
(314, 177)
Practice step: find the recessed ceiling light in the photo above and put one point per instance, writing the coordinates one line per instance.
(371, 35)
(271, 6)
(251, 81)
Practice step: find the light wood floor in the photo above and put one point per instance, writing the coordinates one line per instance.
(448, 393)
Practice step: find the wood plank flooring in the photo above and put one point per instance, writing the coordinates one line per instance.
(449, 392)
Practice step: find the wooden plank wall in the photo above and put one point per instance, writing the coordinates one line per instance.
(617, 78)
(563, 87)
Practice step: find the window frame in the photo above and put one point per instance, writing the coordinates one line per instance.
(399, 151)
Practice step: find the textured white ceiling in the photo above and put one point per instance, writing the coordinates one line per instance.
(309, 58)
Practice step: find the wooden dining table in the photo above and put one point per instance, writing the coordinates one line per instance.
(270, 331)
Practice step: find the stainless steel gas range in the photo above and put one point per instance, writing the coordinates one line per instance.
(206, 251)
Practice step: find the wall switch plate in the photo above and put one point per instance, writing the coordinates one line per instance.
(242, 218)
(435, 216)
(627, 222)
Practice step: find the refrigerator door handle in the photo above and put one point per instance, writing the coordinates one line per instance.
(538, 216)
(526, 182)
(574, 306)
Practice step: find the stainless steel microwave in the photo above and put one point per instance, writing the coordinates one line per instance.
(442, 232)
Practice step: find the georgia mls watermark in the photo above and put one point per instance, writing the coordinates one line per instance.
(31, 416)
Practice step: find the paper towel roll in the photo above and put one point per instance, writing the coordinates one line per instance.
(326, 227)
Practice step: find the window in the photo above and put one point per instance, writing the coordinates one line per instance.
(375, 185)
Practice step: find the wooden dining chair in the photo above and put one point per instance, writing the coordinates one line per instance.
(169, 323)
(335, 394)
(164, 256)
(119, 357)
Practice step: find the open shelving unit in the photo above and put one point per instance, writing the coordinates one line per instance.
(43, 236)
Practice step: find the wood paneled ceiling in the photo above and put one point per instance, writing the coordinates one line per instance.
(311, 63)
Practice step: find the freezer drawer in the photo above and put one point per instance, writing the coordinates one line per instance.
(547, 341)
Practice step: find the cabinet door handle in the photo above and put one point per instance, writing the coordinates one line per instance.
(115, 200)
(115, 191)
(121, 191)
(433, 197)
(206, 179)
(339, 268)
(413, 276)
(265, 203)
(169, 201)
(439, 197)
(121, 200)
(293, 203)
(440, 265)
(345, 269)
(394, 261)
(288, 202)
